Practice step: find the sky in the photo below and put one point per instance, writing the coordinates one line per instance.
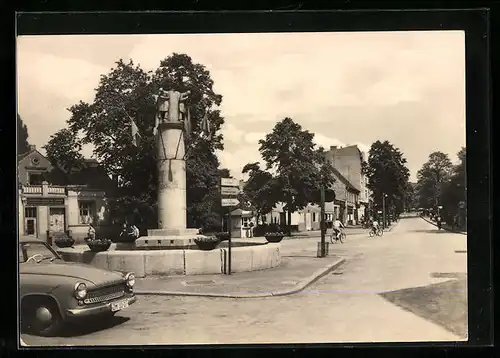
(347, 88)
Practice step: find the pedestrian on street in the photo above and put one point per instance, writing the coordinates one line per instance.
(135, 231)
(91, 232)
(251, 228)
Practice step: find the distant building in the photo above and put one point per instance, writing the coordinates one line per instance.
(344, 207)
(53, 200)
(348, 162)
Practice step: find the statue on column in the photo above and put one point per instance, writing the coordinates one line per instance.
(171, 107)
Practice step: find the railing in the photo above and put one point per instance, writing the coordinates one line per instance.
(56, 190)
(32, 189)
(37, 189)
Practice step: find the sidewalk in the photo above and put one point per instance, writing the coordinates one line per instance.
(444, 226)
(293, 275)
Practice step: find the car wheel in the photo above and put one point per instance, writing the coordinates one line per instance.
(41, 316)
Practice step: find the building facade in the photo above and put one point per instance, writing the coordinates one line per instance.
(348, 161)
(45, 209)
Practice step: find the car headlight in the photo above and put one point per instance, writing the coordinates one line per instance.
(130, 278)
(80, 290)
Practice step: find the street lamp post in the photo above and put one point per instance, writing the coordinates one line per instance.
(383, 209)
(322, 220)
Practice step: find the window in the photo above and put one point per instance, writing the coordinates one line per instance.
(314, 217)
(35, 178)
(30, 212)
(245, 222)
(27, 250)
(86, 212)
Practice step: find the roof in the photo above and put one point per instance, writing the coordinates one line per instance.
(344, 180)
(25, 154)
(239, 212)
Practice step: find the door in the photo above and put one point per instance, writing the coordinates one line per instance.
(308, 221)
(30, 221)
(30, 226)
(56, 220)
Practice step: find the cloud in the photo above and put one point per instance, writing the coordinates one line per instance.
(406, 87)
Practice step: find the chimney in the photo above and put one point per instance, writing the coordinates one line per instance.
(32, 147)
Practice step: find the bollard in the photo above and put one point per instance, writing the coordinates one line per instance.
(318, 252)
(49, 238)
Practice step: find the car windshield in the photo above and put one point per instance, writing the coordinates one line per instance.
(38, 251)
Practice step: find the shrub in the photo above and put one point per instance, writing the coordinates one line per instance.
(222, 236)
(206, 242)
(98, 244)
(64, 241)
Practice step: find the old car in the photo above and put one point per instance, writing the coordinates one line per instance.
(54, 292)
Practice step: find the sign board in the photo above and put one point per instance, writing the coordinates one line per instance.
(229, 182)
(44, 201)
(229, 190)
(229, 202)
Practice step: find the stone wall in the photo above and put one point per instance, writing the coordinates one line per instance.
(178, 262)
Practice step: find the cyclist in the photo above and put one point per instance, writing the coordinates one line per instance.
(336, 228)
(375, 226)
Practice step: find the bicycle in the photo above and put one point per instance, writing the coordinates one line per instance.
(378, 232)
(340, 237)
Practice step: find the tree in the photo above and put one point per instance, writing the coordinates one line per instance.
(260, 189)
(455, 191)
(289, 151)
(387, 175)
(22, 136)
(432, 177)
(63, 150)
(127, 93)
(411, 198)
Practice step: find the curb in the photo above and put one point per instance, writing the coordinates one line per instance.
(298, 287)
(442, 227)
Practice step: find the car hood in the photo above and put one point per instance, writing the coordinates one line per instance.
(78, 271)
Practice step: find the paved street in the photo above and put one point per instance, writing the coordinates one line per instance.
(409, 285)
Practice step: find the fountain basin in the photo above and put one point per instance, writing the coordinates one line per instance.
(245, 257)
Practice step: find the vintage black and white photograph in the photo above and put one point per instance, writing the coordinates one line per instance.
(185, 189)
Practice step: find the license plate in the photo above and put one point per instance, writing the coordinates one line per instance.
(116, 306)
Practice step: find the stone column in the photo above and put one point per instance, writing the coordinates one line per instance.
(171, 176)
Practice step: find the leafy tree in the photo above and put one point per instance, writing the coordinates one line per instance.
(63, 150)
(260, 189)
(127, 93)
(455, 190)
(387, 175)
(411, 198)
(432, 177)
(22, 136)
(289, 151)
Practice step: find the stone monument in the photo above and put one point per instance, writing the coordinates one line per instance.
(169, 130)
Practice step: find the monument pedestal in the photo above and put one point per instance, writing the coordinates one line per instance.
(167, 239)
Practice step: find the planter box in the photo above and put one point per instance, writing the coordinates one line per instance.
(98, 247)
(62, 243)
(207, 245)
(274, 238)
